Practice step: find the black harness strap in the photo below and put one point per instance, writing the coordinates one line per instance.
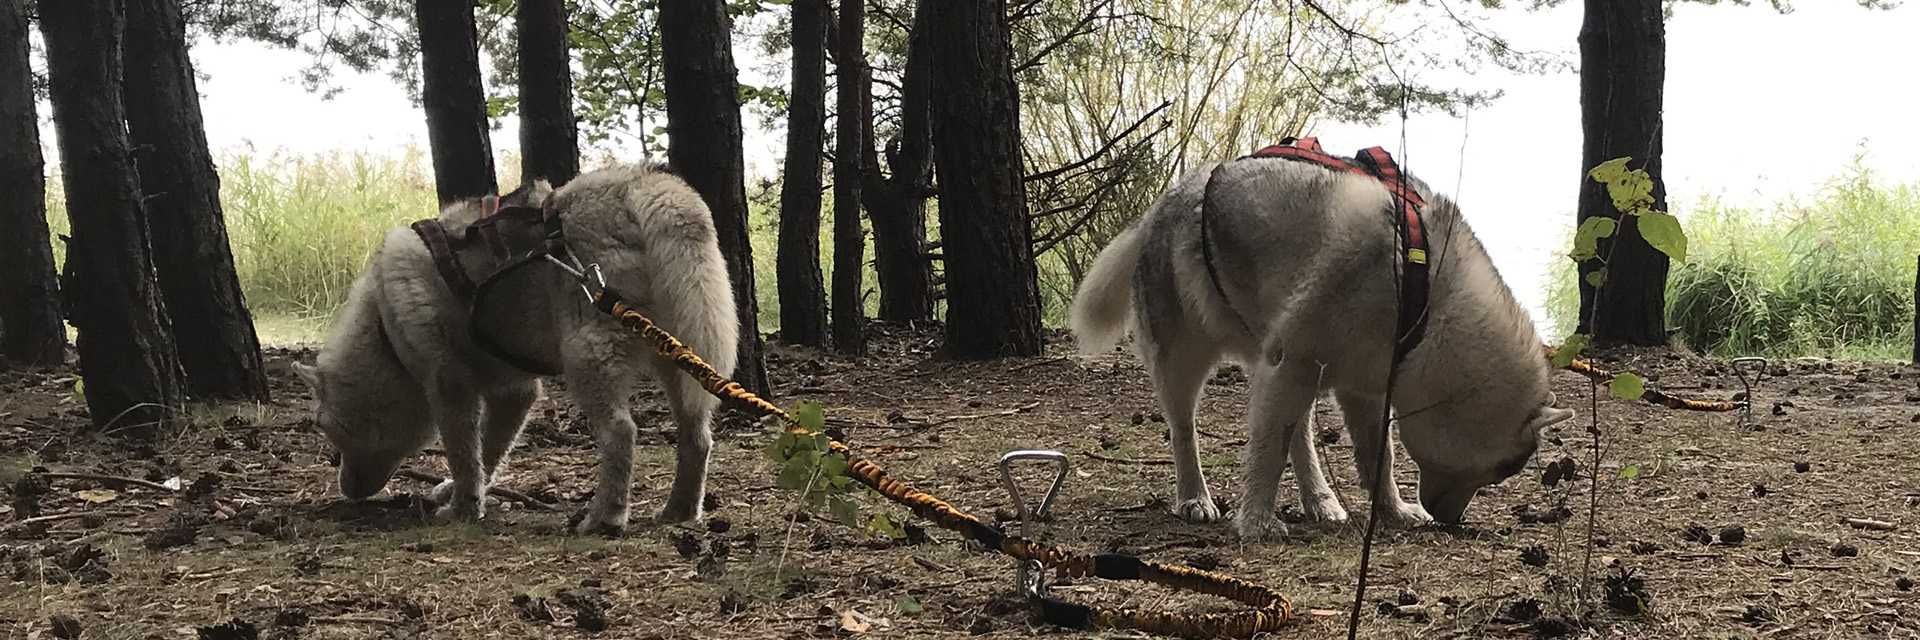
(445, 249)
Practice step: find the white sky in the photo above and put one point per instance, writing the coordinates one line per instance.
(1759, 106)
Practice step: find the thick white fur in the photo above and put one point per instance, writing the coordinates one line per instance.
(398, 366)
(1305, 258)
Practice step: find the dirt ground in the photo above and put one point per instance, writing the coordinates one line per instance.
(256, 543)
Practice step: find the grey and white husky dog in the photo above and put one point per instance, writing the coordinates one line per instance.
(398, 366)
(1306, 302)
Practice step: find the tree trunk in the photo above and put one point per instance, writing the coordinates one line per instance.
(898, 204)
(181, 193)
(31, 332)
(849, 241)
(549, 140)
(703, 131)
(455, 101)
(127, 356)
(803, 298)
(1622, 73)
(993, 302)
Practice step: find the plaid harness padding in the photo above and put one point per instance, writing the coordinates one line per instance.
(1376, 163)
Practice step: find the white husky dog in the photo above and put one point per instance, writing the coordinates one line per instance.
(399, 367)
(1304, 257)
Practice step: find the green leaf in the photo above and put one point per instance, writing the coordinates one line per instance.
(795, 474)
(844, 510)
(881, 524)
(1627, 386)
(781, 448)
(1663, 232)
(1630, 472)
(1586, 239)
(1611, 170)
(833, 465)
(909, 605)
(1597, 278)
(80, 388)
(811, 415)
(1630, 189)
(1570, 349)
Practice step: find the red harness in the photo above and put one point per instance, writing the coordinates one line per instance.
(1376, 163)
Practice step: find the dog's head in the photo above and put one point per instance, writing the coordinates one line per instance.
(1464, 446)
(371, 428)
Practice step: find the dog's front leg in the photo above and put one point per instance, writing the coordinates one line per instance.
(455, 413)
(1363, 414)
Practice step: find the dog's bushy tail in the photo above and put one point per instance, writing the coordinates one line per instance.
(1104, 302)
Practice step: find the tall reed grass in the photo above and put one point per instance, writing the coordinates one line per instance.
(1832, 275)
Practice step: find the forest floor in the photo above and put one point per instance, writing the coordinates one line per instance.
(245, 531)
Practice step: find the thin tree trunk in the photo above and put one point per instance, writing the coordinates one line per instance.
(849, 241)
(898, 204)
(549, 139)
(803, 298)
(455, 101)
(31, 332)
(993, 302)
(126, 346)
(1622, 73)
(212, 327)
(703, 130)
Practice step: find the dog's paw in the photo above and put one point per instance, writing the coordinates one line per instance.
(460, 510)
(442, 493)
(676, 514)
(595, 520)
(1324, 508)
(1197, 510)
(1258, 527)
(1407, 515)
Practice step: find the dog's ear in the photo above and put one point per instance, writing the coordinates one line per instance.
(532, 194)
(307, 374)
(1548, 415)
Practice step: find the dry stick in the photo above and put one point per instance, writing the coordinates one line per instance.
(108, 479)
(976, 416)
(1038, 363)
(1864, 523)
(1155, 462)
(355, 620)
(501, 492)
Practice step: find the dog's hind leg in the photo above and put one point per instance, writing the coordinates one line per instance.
(1280, 403)
(1362, 414)
(1179, 372)
(693, 411)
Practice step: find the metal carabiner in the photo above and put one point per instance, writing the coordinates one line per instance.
(582, 275)
(1741, 371)
(1031, 576)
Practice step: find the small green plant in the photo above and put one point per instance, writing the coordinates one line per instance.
(1632, 194)
(809, 465)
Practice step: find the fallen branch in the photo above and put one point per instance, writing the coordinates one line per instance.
(1152, 462)
(501, 492)
(123, 481)
(1865, 523)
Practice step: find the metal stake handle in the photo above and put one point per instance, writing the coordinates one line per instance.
(1741, 371)
(1031, 578)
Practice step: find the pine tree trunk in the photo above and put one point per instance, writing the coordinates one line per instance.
(1622, 74)
(212, 327)
(549, 139)
(993, 302)
(31, 331)
(803, 298)
(704, 136)
(126, 346)
(849, 241)
(455, 101)
(897, 204)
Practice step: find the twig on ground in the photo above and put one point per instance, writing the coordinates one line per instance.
(976, 416)
(1865, 523)
(356, 620)
(1038, 363)
(502, 492)
(1156, 462)
(136, 482)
